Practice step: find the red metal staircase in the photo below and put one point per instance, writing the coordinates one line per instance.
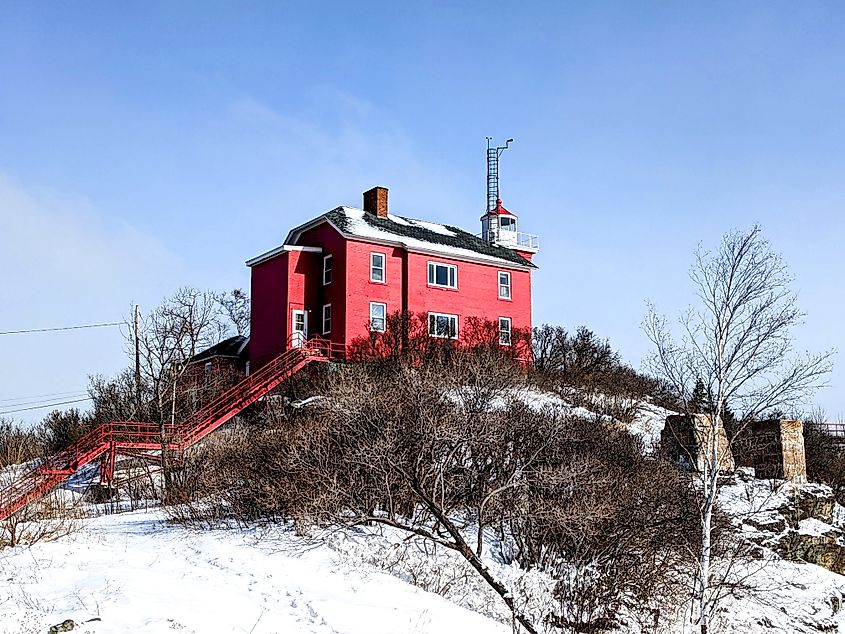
(112, 437)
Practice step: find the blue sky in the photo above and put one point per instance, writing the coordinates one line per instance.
(148, 146)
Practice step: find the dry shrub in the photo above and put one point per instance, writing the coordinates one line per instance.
(17, 444)
(50, 518)
(612, 526)
(441, 450)
(207, 480)
(59, 429)
(825, 455)
(405, 339)
(586, 371)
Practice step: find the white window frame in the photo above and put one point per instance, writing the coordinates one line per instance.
(327, 331)
(508, 286)
(511, 224)
(432, 274)
(327, 259)
(436, 316)
(508, 330)
(384, 318)
(383, 267)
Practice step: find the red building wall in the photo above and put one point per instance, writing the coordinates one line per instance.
(294, 280)
(477, 294)
(332, 243)
(268, 309)
(389, 293)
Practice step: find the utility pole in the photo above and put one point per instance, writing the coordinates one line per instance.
(137, 361)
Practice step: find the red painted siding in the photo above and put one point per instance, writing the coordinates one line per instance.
(477, 294)
(294, 280)
(334, 244)
(268, 313)
(365, 291)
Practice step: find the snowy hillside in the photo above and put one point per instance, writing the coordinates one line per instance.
(140, 575)
(137, 573)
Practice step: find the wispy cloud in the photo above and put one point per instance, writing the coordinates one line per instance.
(64, 262)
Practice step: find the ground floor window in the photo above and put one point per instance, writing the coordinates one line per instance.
(440, 325)
(327, 319)
(505, 331)
(378, 317)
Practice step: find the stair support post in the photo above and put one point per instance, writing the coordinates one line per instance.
(107, 465)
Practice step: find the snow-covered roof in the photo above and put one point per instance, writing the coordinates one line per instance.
(414, 235)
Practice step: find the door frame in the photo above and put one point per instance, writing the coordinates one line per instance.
(298, 341)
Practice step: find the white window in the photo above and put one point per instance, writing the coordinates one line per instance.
(445, 326)
(327, 319)
(507, 224)
(378, 317)
(505, 331)
(504, 285)
(377, 267)
(327, 270)
(445, 275)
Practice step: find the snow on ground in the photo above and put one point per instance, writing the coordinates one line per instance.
(139, 574)
(782, 596)
(648, 424)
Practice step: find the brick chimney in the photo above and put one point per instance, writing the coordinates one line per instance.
(375, 201)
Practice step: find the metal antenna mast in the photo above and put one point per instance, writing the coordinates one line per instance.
(493, 154)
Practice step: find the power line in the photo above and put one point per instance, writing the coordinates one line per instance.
(21, 332)
(36, 401)
(26, 409)
(41, 396)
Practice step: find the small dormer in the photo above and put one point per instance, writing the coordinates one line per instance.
(499, 226)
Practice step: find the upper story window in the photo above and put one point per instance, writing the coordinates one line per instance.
(327, 319)
(507, 223)
(445, 275)
(504, 285)
(377, 267)
(327, 270)
(445, 326)
(378, 317)
(505, 331)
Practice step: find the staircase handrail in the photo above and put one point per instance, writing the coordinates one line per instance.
(50, 471)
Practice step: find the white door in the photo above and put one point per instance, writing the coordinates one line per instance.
(300, 328)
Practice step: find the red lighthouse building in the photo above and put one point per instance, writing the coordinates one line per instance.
(341, 274)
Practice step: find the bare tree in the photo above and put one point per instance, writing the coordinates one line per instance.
(174, 332)
(235, 306)
(738, 341)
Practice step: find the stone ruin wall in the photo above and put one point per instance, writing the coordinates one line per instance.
(774, 448)
(684, 439)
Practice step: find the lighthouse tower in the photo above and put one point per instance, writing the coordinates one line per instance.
(498, 225)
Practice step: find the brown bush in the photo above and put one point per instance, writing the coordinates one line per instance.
(17, 444)
(50, 518)
(587, 372)
(825, 456)
(442, 449)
